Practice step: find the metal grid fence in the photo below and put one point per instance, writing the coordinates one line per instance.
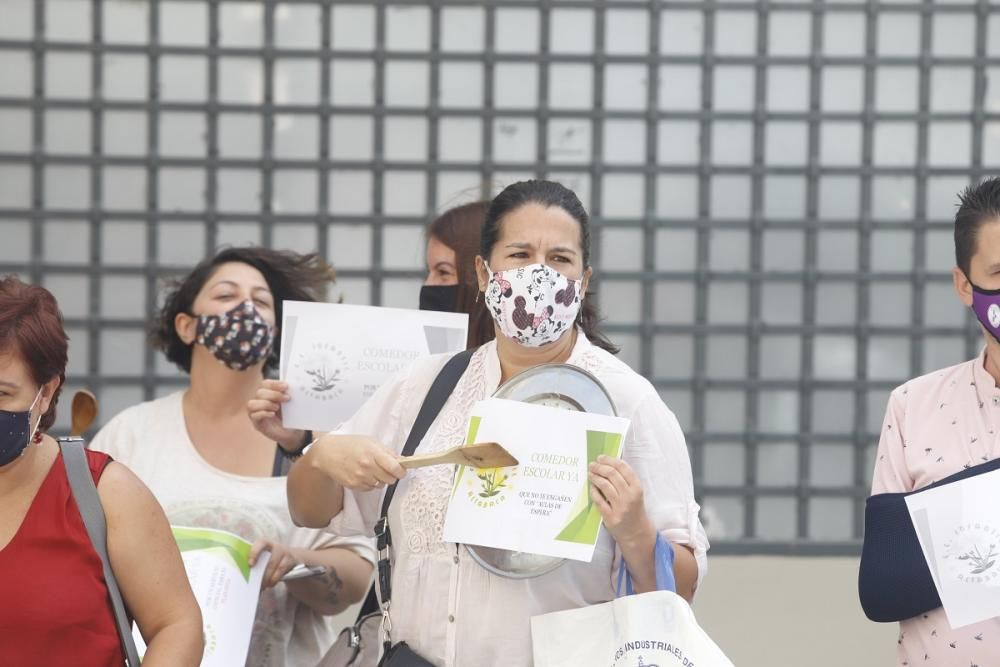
(771, 184)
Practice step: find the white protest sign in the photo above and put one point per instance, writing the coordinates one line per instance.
(335, 356)
(227, 590)
(541, 506)
(958, 526)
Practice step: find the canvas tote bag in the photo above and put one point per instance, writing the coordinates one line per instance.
(655, 629)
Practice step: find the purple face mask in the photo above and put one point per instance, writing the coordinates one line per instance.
(986, 306)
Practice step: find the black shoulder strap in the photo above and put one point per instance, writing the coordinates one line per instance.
(281, 464)
(81, 483)
(436, 397)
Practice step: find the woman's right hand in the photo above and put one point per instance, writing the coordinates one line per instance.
(265, 413)
(356, 462)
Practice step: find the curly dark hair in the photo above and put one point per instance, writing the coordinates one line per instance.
(289, 275)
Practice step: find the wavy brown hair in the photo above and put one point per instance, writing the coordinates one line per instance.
(289, 276)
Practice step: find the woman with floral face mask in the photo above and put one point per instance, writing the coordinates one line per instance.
(208, 466)
(534, 276)
(55, 607)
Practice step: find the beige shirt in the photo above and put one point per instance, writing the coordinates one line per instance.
(444, 605)
(152, 440)
(935, 426)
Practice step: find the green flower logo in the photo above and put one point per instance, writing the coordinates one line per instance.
(494, 480)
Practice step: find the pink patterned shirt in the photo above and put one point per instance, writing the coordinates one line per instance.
(935, 426)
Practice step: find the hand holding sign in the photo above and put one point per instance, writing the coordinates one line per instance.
(265, 413)
(282, 560)
(226, 581)
(544, 505)
(617, 493)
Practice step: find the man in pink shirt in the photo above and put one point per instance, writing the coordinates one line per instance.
(948, 421)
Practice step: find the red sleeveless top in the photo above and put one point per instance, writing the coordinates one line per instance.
(54, 606)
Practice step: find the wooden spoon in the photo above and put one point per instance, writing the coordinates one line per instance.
(482, 455)
(84, 411)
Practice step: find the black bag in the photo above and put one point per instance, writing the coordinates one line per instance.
(401, 655)
(357, 646)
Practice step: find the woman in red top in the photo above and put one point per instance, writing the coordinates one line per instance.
(54, 606)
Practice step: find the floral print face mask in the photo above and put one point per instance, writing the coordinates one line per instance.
(533, 305)
(239, 338)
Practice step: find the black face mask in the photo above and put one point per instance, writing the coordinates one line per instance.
(16, 432)
(442, 298)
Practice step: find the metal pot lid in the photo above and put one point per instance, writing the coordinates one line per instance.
(552, 385)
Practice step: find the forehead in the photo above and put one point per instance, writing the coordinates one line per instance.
(438, 251)
(988, 238)
(239, 273)
(535, 223)
(13, 369)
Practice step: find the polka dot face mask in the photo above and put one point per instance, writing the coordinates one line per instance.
(239, 338)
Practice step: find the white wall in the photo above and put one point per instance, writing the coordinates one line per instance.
(787, 612)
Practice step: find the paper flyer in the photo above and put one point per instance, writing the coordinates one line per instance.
(335, 356)
(541, 506)
(958, 526)
(226, 587)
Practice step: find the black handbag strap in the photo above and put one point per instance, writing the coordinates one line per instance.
(81, 483)
(437, 396)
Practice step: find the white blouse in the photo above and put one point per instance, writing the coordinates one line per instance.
(152, 440)
(444, 605)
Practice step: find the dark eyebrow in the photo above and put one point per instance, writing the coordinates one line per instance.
(527, 246)
(564, 250)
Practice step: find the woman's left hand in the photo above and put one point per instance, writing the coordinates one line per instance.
(282, 560)
(617, 492)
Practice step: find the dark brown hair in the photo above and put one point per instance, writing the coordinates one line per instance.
(460, 229)
(549, 194)
(289, 276)
(31, 326)
(977, 204)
